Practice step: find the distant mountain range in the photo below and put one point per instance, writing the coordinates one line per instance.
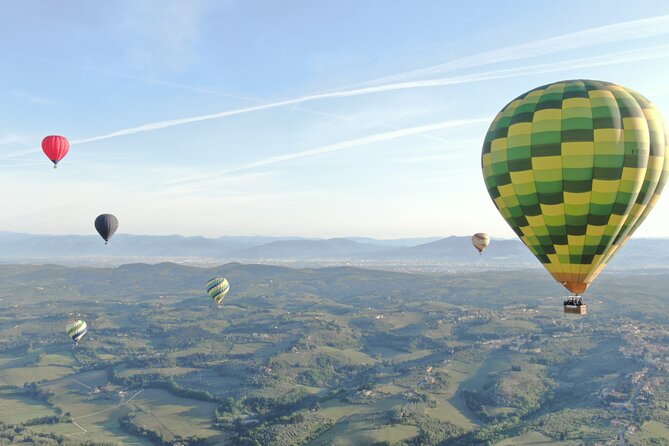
(17, 246)
(20, 245)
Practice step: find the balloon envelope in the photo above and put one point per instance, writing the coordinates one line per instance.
(76, 329)
(574, 167)
(55, 147)
(217, 288)
(106, 225)
(480, 241)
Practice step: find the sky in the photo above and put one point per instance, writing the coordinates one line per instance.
(290, 118)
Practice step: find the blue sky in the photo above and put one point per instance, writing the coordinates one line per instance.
(298, 118)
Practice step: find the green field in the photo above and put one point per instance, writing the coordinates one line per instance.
(154, 408)
(169, 371)
(451, 406)
(17, 409)
(454, 360)
(17, 376)
(9, 361)
(657, 429)
(355, 423)
(534, 439)
(353, 433)
(172, 416)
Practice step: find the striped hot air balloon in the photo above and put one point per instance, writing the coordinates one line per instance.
(480, 241)
(76, 329)
(575, 167)
(217, 288)
(55, 147)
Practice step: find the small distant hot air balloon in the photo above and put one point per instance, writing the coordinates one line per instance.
(76, 329)
(217, 288)
(55, 147)
(480, 241)
(106, 225)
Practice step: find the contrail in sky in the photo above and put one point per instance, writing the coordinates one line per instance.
(614, 58)
(133, 77)
(177, 86)
(658, 52)
(607, 34)
(597, 36)
(371, 139)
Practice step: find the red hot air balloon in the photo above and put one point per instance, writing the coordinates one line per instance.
(55, 147)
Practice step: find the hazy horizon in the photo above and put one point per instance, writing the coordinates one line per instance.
(297, 236)
(290, 236)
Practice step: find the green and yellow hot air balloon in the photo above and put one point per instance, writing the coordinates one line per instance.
(574, 167)
(76, 329)
(217, 288)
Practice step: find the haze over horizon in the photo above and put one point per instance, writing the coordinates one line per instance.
(200, 122)
(289, 236)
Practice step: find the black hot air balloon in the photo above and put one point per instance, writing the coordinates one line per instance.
(106, 225)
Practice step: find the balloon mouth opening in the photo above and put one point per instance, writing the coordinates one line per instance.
(576, 288)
